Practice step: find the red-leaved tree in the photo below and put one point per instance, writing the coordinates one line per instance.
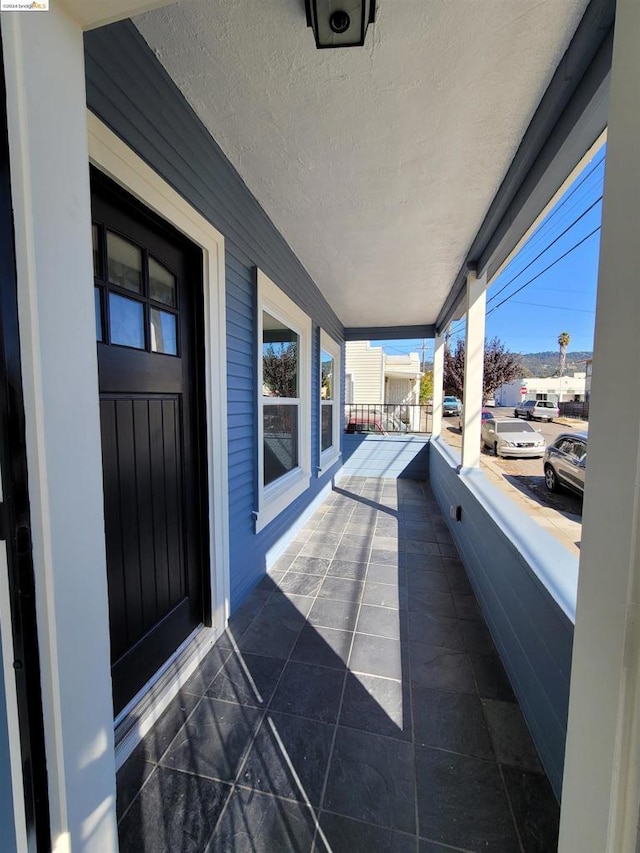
(500, 367)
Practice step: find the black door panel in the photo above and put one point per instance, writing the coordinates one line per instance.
(152, 434)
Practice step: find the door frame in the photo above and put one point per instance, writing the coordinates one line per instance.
(111, 156)
(24, 774)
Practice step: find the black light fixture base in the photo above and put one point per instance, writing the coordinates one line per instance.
(334, 28)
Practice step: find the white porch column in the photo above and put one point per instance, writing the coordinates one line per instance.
(46, 106)
(438, 385)
(473, 369)
(601, 789)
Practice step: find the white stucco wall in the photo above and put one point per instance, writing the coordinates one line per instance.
(556, 388)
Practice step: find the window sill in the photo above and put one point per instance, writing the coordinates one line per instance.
(327, 460)
(277, 496)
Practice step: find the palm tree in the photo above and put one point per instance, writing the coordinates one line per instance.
(564, 339)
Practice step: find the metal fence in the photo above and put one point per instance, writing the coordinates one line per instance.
(573, 409)
(384, 418)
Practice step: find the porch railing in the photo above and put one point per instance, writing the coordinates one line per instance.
(387, 418)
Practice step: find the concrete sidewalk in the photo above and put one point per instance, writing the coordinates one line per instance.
(573, 423)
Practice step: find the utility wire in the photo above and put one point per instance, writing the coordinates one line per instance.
(546, 249)
(556, 307)
(546, 269)
(568, 195)
(574, 189)
(547, 233)
(456, 329)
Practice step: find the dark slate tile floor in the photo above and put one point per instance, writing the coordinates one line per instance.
(356, 703)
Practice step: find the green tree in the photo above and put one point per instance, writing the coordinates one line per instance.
(426, 386)
(500, 367)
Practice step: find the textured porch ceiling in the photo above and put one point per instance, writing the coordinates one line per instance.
(376, 164)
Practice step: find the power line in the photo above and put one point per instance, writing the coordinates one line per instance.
(546, 249)
(454, 330)
(544, 226)
(548, 233)
(569, 194)
(556, 307)
(555, 290)
(546, 269)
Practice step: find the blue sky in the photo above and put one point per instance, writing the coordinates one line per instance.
(557, 293)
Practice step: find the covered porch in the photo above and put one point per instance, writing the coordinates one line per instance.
(356, 702)
(379, 651)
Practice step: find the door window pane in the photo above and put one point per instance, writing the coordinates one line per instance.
(280, 441)
(162, 283)
(125, 263)
(126, 318)
(96, 297)
(279, 359)
(326, 387)
(163, 332)
(327, 426)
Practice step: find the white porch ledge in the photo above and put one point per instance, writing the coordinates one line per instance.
(545, 556)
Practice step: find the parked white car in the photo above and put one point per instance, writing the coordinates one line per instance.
(541, 410)
(507, 437)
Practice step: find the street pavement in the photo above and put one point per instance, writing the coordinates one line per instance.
(523, 480)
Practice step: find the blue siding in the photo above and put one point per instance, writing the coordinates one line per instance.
(532, 631)
(396, 456)
(137, 99)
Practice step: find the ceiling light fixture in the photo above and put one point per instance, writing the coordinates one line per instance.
(340, 23)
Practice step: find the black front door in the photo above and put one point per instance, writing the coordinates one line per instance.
(148, 292)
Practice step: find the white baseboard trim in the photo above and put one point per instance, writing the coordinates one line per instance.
(138, 717)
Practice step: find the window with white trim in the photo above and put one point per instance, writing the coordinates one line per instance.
(330, 370)
(284, 401)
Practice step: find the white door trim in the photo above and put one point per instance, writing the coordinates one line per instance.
(110, 154)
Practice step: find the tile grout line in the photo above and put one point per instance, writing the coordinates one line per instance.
(157, 764)
(235, 650)
(340, 704)
(511, 811)
(413, 740)
(235, 784)
(267, 707)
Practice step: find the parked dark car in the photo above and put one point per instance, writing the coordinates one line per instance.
(565, 462)
(540, 410)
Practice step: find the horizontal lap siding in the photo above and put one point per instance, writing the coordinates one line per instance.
(364, 363)
(136, 98)
(532, 634)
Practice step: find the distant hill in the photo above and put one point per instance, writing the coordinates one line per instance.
(546, 363)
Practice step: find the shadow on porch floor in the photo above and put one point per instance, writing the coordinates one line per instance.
(356, 703)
